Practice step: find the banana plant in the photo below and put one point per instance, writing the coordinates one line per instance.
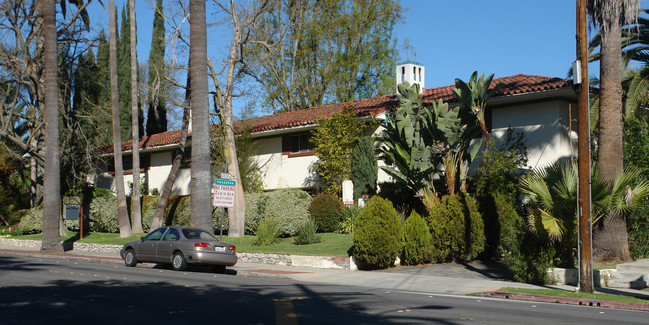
(474, 96)
(408, 158)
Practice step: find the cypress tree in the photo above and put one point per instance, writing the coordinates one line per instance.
(364, 171)
(157, 111)
(124, 77)
(103, 72)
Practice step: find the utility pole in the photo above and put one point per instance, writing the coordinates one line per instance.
(583, 153)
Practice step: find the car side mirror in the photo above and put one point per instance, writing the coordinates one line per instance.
(143, 238)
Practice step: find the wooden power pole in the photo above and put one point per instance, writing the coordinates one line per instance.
(583, 153)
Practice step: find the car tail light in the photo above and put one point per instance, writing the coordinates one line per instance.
(232, 248)
(201, 245)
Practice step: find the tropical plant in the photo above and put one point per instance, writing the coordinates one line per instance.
(475, 95)
(407, 156)
(267, 232)
(552, 194)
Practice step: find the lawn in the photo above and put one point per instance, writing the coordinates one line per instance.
(570, 294)
(331, 244)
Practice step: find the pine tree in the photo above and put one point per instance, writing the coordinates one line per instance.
(157, 111)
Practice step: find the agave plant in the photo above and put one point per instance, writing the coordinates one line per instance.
(552, 194)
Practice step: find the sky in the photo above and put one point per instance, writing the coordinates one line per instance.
(451, 38)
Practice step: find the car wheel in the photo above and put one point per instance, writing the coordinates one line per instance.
(178, 261)
(129, 258)
(218, 268)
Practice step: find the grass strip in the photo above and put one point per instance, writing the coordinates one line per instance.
(581, 295)
(331, 244)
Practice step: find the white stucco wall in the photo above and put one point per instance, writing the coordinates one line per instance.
(281, 171)
(546, 127)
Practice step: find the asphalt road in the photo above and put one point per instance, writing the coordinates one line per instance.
(40, 291)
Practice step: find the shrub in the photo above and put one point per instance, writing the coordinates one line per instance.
(364, 170)
(349, 215)
(378, 234)
(255, 210)
(457, 229)
(418, 248)
(32, 222)
(307, 234)
(103, 214)
(267, 232)
(326, 211)
(289, 208)
(526, 255)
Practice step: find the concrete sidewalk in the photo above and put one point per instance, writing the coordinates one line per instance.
(434, 279)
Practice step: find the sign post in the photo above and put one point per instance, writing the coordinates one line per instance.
(224, 193)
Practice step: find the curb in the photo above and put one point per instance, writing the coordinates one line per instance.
(257, 273)
(571, 301)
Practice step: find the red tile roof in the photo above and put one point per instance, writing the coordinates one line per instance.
(512, 85)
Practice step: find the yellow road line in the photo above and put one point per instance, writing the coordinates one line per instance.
(284, 312)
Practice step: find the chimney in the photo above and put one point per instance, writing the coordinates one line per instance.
(412, 72)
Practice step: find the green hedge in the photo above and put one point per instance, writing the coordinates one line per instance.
(457, 229)
(326, 211)
(418, 248)
(378, 234)
(289, 207)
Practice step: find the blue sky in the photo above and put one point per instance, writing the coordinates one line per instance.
(454, 38)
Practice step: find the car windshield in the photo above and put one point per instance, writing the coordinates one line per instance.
(191, 233)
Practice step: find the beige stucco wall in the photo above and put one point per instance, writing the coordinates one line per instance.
(546, 126)
(281, 171)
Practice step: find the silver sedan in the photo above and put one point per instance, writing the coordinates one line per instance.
(179, 246)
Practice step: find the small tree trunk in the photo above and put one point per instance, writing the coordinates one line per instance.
(124, 223)
(177, 159)
(136, 208)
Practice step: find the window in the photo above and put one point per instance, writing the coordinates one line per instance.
(172, 234)
(156, 235)
(127, 163)
(297, 145)
(301, 143)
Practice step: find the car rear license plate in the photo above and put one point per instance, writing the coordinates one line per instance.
(219, 249)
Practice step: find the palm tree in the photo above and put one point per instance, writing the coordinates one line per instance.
(201, 209)
(124, 223)
(136, 210)
(52, 184)
(552, 194)
(611, 242)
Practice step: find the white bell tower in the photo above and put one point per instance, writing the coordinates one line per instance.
(412, 72)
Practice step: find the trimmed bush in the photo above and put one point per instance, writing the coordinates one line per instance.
(418, 248)
(32, 222)
(267, 232)
(103, 214)
(326, 211)
(307, 234)
(378, 234)
(289, 207)
(457, 229)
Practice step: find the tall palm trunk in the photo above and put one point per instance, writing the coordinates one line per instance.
(201, 179)
(177, 159)
(611, 241)
(52, 183)
(124, 223)
(136, 209)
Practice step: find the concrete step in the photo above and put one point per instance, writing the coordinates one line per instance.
(626, 284)
(638, 266)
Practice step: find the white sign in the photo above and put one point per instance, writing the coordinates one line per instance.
(224, 191)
